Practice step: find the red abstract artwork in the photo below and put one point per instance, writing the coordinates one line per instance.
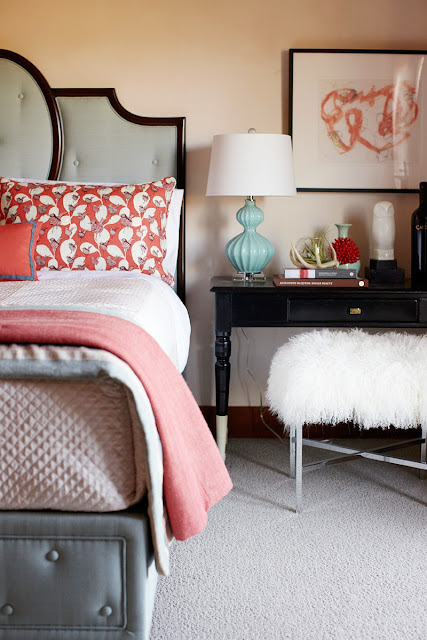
(378, 118)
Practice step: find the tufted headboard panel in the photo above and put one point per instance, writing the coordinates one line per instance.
(103, 141)
(30, 127)
(83, 135)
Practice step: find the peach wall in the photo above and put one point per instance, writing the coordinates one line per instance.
(223, 65)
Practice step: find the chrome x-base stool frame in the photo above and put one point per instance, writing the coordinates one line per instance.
(297, 467)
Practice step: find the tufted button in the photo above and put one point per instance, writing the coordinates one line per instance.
(6, 610)
(76, 163)
(52, 555)
(105, 611)
(21, 96)
(155, 162)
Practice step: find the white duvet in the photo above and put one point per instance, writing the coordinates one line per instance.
(145, 300)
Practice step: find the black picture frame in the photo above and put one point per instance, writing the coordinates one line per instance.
(357, 119)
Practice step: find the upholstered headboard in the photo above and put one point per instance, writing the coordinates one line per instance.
(83, 135)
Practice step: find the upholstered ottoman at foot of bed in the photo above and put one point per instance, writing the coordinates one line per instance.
(331, 377)
(75, 576)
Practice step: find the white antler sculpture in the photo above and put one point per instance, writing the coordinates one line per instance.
(299, 261)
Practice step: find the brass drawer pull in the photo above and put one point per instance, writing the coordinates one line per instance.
(355, 311)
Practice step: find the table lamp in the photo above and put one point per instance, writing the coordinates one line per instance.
(250, 164)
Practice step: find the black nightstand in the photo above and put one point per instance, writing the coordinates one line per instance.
(262, 304)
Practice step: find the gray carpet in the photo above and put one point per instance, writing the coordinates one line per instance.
(352, 566)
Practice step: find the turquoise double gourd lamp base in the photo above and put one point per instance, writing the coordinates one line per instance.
(249, 252)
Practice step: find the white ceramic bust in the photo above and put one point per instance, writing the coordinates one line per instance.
(383, 231)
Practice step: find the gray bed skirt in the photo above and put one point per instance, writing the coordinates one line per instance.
(76, 576)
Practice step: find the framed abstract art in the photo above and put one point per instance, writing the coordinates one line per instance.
(358, 119)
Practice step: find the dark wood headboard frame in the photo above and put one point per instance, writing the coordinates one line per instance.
(50, 96)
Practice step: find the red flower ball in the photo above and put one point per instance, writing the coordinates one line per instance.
(346, 250)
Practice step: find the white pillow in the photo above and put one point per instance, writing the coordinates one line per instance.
(172, 231)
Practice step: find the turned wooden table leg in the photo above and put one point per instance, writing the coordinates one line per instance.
(222, 383)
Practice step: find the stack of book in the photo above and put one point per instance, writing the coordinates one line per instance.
(319, 278)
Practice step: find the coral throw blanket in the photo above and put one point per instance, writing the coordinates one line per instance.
(195, 477)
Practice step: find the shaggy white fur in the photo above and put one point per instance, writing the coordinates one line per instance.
(374, 380)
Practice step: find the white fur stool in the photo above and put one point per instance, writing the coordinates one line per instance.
(373, 380)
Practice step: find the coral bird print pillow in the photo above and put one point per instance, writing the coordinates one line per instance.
(94, 227)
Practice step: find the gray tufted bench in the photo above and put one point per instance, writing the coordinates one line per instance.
(93, 579)
(330, 377)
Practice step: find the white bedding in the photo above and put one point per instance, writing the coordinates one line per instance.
(145, 300)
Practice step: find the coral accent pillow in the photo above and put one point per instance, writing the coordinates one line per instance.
(17, 247)
(94, 227)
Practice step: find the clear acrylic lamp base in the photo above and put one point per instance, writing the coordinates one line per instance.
(240, 276)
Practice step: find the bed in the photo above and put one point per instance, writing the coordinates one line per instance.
(105, 457)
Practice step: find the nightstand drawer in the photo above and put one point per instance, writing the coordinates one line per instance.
(258, 310)
(356, 309)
